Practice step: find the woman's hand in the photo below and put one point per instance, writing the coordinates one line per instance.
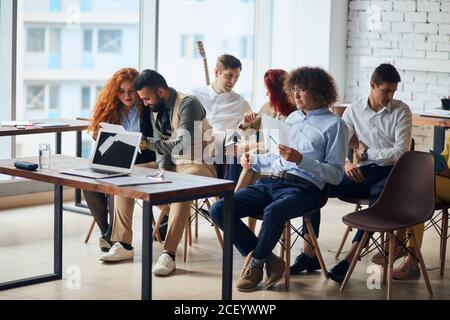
(289, 154)
(249, 117)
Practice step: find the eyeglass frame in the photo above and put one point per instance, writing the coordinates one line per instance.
(295, 89)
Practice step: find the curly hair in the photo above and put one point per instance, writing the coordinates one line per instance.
(317, 81)
(107, 108)
(274, 80)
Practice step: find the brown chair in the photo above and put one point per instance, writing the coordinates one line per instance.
(359, 203)
(441, 216)
(287, 244)
(406, 200)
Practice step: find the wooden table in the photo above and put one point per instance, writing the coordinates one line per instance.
(439, 124)
(183, 188)
(72, 125)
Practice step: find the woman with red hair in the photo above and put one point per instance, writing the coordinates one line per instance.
(118, 103)
(279, 106)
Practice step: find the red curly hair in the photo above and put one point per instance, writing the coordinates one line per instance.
(107, 108)
(279, 100)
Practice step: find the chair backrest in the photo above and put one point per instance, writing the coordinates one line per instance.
(409, 191)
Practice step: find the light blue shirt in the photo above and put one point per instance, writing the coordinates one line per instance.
(132, 122)
(322, 138)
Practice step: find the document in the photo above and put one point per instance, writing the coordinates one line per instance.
(133, 180)
(275, 132)
(14, 123)
(110, 126)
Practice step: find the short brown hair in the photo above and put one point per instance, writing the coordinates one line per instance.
(317, 81)
(227, 61)
(385, 73)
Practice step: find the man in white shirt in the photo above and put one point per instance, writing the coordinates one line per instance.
(383, 126)
(224, 107)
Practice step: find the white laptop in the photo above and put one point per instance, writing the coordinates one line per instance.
(439, 113)
(114, 155)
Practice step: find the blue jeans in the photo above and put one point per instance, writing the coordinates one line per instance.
(277, 200)
(374, 180)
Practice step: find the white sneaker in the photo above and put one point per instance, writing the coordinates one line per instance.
(117, 253)
(164, 266)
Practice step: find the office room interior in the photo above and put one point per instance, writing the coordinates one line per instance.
(58, 59)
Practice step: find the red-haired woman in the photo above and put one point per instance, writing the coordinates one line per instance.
(279, 106)
(118, 103)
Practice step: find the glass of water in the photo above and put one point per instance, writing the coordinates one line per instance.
(44, 156)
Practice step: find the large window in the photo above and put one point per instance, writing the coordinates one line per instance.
(222, 26)
(62, 59)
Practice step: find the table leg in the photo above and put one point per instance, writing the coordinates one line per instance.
(439, 139)
(58, 142)
(78, 151)
(147, 251)
(58, 231)
(57, 249)
(227, 267)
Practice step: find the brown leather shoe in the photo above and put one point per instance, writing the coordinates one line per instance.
(379, 259)
(275, 270)
(250, 279)
(406, 271)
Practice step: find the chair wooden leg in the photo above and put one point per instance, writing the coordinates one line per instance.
(91, 228)
(390, 264)
(219, 235)
(189, 225)
(422, 263)
(444, 235)
(385, 262)
(344, 239)
(186, 240)
(246, 263)
(355, 260)
(287, 260)
(252, 224)
(283, 242)
(313, 238)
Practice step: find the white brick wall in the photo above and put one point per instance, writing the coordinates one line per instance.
(418, 30)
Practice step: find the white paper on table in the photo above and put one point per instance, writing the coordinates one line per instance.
(275, 132)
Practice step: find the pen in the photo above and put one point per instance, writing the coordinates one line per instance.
(273, 140)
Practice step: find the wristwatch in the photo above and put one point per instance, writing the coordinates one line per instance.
(364, 155)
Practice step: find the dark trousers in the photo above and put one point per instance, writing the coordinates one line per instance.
(277, 201)
(101, 206)
(374, 179)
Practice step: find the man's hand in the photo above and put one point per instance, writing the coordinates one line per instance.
(249, 117)
(361, 148)
(246, 161)
(353, 172)
(143, 145)
(289, 154)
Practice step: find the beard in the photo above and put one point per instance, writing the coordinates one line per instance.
(158, 107)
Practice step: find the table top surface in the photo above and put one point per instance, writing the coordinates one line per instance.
(430, 121)
(183, 186)
(69, 125)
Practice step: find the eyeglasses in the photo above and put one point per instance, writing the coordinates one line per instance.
(295, 90)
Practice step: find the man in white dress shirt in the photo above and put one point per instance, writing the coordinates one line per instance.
(383, 126)
(224, 107)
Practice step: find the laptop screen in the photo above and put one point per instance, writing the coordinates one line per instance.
(116, 149)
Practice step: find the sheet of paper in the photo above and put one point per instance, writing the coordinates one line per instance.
(275, 132)
(109, 126)
(133, 180)
(14, 123)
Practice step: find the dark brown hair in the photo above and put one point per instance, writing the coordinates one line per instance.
(385, 73)
(227, 61)
(317, 81)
